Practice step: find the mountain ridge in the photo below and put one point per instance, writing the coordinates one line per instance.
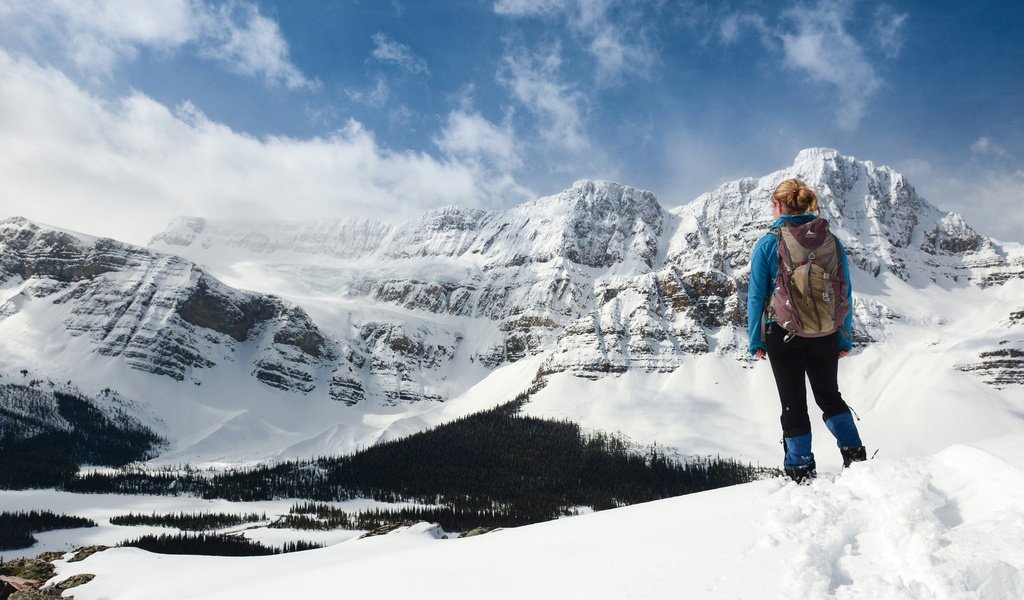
(599, 280)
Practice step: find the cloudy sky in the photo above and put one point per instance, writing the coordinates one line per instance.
(118, 115)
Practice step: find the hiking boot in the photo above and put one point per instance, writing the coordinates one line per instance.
(853, 454)
(803, 473)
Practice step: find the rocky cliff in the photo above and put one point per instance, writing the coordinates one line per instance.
(159, 313)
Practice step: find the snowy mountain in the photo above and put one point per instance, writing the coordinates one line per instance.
(158, 313)
(615, 312)
(624, 283)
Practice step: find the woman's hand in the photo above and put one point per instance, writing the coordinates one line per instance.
(844, 353)
(760, 354)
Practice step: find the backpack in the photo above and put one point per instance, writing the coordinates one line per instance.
(810, 288)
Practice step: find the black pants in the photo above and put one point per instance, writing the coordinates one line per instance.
(815, 358)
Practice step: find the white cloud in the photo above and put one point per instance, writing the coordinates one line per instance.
(489, 151)
(471, 137)
(613, 31)
(815, 42)
(619, 44)
(732, 27)
(159, 23)
(377, 96)
(125, 168)
(691, 163)
(530, 7)
(984, 146)
(534, 81)
(97, 35)
(888, 30)
(917, 169)
(390, 51)
(989, 198)
(237, 35)
(400, 116)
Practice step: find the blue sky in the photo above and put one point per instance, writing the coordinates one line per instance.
(117, 115)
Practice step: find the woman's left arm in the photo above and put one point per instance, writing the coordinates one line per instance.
(757, 292)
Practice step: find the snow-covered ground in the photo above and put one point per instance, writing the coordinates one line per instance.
(939, 513)
(949, 525)
(101, 507)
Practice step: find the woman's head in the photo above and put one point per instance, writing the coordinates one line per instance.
(794, 197)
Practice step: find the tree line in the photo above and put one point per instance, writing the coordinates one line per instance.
(316, 516)
(45, 435)
(16, 528)
(188, 521)
(493, 468)
(213, 545)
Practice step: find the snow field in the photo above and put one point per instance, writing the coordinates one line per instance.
(101, 507)
(948, 526)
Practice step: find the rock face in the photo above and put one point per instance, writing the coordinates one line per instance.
(160, 313)
(1002, 366)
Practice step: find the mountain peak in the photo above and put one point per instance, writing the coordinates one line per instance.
(15, 222)
(816, 153)
(603, 222)
(182, 231)
(883, 223)
(18, 222)
(602, 188)
(592, 185)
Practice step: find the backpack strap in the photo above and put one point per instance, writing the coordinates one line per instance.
(843, 275)
(764, 319)
(785, 262)
(785, 256)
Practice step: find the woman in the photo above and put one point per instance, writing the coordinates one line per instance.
(793, 357)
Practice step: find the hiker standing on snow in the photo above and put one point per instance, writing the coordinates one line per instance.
(802, 323)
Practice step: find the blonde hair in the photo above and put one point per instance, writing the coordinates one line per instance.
(796, 197)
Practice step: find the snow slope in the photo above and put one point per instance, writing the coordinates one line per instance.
(946, 526)
(100, 508)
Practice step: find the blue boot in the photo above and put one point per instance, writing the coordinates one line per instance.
(799, 461)
(844, 429)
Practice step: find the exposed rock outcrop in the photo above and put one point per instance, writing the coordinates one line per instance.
(161, 313)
